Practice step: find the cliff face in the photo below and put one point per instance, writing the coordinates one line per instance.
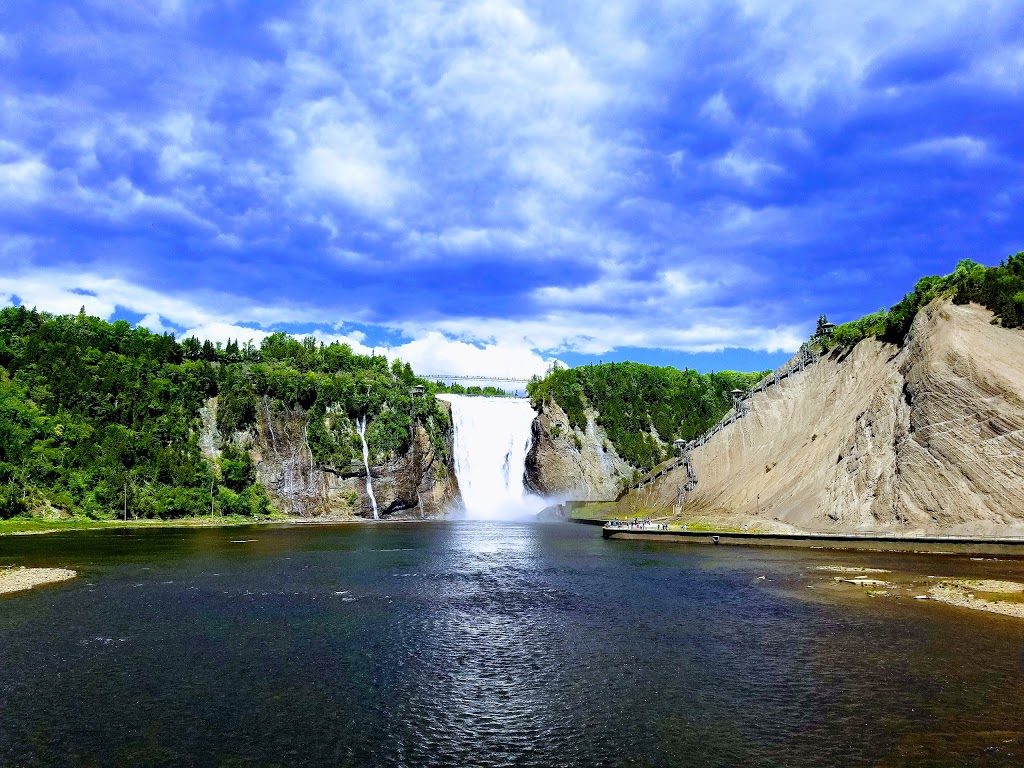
(416, 484)
(568, 463)
(924, 438)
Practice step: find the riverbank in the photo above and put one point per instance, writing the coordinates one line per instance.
(18, 579)
(23, 526)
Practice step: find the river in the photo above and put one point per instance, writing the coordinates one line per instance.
(492, 644)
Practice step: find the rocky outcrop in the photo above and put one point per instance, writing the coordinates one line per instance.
(415, 484)
(924, 438)
(565, 462)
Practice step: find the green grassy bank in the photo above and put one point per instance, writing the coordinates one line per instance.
(30, 525)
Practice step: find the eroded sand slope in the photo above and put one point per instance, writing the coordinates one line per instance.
(927, 438)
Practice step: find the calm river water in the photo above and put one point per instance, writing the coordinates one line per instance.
(489, 644)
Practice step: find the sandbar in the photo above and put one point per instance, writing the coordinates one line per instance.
(17, 579)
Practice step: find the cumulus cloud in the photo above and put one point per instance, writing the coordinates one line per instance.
(509, 175)
(23, 181)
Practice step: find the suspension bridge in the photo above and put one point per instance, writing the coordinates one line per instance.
(472, 377)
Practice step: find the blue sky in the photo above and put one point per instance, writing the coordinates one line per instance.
(488, 186)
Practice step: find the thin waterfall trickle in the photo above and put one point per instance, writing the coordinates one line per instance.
(361, 428)
(492, 438)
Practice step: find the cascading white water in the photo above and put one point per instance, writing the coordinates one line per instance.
(492, 438)
(361, 429)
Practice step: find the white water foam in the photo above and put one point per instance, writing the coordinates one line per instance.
(492, 438)
(361, 429)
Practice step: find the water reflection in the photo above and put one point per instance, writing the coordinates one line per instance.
(488, 644)
(493, 668)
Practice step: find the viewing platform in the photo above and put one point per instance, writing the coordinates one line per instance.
(878, 541)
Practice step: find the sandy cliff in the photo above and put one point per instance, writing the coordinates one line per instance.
(924, 438)
(415, 484)
(573, 464)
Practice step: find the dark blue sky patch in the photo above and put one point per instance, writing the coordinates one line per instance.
(915, 67)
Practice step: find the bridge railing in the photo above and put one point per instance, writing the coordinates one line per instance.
(473, 377)
(800, 362)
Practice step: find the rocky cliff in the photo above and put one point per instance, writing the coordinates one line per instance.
(415, 484)
(564, 462)
(927, 437)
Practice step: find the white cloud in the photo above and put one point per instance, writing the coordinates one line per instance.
(64, 291)
(178, 152)
(23, 181)
(154, 323)
(824, 50)
(675, 160)
(340, 152)
(747, 168)
(462, 346)
(717, 110)
(429, 132)
(434, 353)
(592, 333)
(964, 147)
(356, 178)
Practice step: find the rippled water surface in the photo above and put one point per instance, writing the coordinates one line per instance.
(488, 644)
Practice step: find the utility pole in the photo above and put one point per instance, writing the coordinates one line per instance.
(211, 498)
(126, 501)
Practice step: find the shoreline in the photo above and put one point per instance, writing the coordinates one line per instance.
(884, 542)
(41, 526)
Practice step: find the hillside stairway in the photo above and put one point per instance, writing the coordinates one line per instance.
(804, 359)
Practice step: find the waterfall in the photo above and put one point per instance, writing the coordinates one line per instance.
(492, 438)
(361, 428)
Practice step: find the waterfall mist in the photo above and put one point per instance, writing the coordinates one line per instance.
(492, 438)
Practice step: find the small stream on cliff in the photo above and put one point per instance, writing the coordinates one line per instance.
(492, 438)
(361, 429)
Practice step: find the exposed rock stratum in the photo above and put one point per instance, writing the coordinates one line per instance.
(570, 463)
(415, 484)
(923, 438)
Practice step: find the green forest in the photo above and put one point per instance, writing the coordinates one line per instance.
(1000, 288)
(634, 402)
(102, 420)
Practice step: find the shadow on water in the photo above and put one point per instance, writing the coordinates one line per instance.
(491, 644)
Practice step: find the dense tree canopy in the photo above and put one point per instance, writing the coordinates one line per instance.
(643, 408)
(1000, 288)
(98, 417)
